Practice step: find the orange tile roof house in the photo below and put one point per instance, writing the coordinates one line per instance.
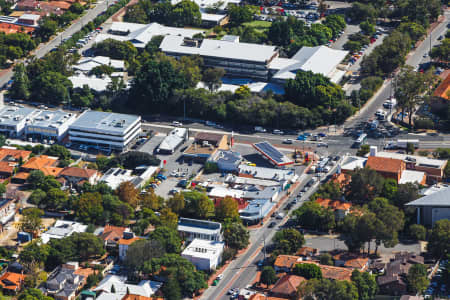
(284, 263)
(112, 234)
(387, 167)
(332, 272)
(286, 286)
(351, 260)
(39, 162)
(6, 169)
(9, 28)
(307, 252)
(11, 282)
(61, 5)
(15, 155)
(127, 239)
(442, 90)
(340, 208)
(75, 175)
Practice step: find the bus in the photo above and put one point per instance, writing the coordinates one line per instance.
(361, 140)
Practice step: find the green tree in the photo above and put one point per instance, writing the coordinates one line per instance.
(33, 294)
(171, 289)
(418, 232)
(51, 87)
(326, 259)
(366, 284)
(198, 205)
(366, 184)
(20, 89)
(236, 236)
(31, 220)
(367, 27)
(89, 208)
(227, 209)
(76, 8)
(417, 278)
(442, 52)
(268, 276)
(212, 78)
(141, 251)
(186, 13)
(115, 49)
(288, 241)
(390, 188)
(361, 12)
(405, 193)
(128, 193)
(363, 150)
(168, 218)
(47, 28)
(439, 241)
(36, 179)
(37, 196)
(168, 238)
(176, 203)
(60, 151)
(56, 199)
(410, 148)
(312, 215)
(326, 289)
(239, 14)
(210, 167)
(308, 271)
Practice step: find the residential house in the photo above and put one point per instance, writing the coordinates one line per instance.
(54, 5)
(145, 288)
(7, 212)
(340, 208)
(386, 167)
(62, 229)
(286, 286)
(44, 163)
(351, 260)
(112, 234)
(206, 145)
(393, 281)
(285, 263)
(127, 239)
(433, 207)
(307, 252)
(191, 229)
(27, 5)
(11, 283)
(332, 272)
(6, 169)
(77, 176)
(206, 255)
(14, 155)
(433, 168)
(66, 281)
(440, 97)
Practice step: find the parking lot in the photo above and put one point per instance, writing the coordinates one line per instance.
(175, 168)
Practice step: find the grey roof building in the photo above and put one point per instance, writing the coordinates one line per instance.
(105, 130)
(227, 161)
(13, 119)
(173, 140)
(433, 207)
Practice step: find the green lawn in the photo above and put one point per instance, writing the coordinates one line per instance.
(258, 24)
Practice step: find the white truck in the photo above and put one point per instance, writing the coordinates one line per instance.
(402, 144)
(260, 129)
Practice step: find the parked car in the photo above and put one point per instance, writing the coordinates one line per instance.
(272, 224)
(288, 141)
(177, 124)
(277, 131)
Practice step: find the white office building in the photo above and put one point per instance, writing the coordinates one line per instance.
(321, 60)
(49, 125)
(13, 120)
(204, 255)
(140, 34)
(237, 59)
(86, 64)
(191, 229)
(104, 130)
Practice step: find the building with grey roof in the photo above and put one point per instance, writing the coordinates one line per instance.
(49, 125)
(140, 34)
(13, 120)
(62, 229)
(173, 140)
(256, 210)
(237, 59)
(433, 207)
(104, 130)
(192, 229)
(227, 161)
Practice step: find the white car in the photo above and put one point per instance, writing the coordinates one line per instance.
(288, 141)
(177, 124)
(277, 131)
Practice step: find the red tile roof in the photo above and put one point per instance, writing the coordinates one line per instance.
(39, 162)
(11, 281)
(51, 171)
(6, 167)
(286, 261)
(8, 28)
(112, 233)
(442, 90)
(14, 154)
(78, 172)
(384, 164)
(123, 241)
(333, 204)
(287, 285)
(332, 272)
(22, 175)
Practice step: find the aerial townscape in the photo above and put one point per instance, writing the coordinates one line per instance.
(224, 149)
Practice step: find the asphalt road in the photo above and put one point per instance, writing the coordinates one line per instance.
(43, 49)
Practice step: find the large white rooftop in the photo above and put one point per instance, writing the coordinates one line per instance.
(54, 119)
(219, 49)
(204, 249)
(86, 64)
(105, 122)
(94, 83)
(320, 60)
(145, 288)
(13, 115)
(115, 176)
(203, 4)
(140, 34)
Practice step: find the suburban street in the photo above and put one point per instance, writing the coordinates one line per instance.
(43, 49)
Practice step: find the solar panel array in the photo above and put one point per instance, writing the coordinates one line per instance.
(269, 150)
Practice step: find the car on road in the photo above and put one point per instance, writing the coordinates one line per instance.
(279, 216)
(272, 224)
(260, 129)
(209, 123)
(325, 145)
(440, 37)
(219, 277)
(301, 137)
(322, 134)
(177, 124)
(277, 131)
(288, 141)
